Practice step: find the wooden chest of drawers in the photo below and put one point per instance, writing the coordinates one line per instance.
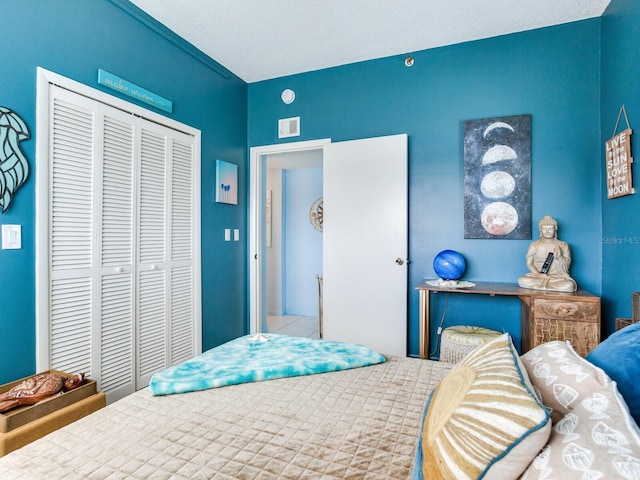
(562, 317)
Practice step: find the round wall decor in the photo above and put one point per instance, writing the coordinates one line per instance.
(315, 214)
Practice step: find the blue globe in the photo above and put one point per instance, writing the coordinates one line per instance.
(449, 265)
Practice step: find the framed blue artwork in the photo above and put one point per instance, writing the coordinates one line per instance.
(226, 187)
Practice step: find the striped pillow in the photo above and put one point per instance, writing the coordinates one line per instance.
(482, 421)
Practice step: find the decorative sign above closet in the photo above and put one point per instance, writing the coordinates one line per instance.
(116, 83)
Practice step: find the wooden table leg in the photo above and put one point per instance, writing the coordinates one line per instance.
(424, 324)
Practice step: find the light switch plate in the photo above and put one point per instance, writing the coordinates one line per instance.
(236, 234)
(11, 237)
(227, 234)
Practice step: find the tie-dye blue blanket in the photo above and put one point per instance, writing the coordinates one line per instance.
(246, 360)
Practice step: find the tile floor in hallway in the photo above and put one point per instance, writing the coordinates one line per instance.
(295, 325)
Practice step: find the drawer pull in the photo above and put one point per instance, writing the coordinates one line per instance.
(560, 309)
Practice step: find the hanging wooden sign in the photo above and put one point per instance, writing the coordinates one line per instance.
(619, 160)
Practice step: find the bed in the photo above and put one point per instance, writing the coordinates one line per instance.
(356, 423)
(495, 415)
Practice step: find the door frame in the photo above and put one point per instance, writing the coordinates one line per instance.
(257, 254)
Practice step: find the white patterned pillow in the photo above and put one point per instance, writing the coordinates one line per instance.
(594, 436)
(560, 377)
(482, 421)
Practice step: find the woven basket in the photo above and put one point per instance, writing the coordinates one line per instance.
(457, 342)
(635, 309)
(623, 322)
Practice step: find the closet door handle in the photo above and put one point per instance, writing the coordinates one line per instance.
(153, 267)
(119, 269)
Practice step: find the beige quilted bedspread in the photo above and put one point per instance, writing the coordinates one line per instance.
(355, 424)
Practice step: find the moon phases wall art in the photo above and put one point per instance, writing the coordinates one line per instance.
(226, 187)
(497, 178)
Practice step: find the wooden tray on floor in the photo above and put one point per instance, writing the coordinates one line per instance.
(20, 416)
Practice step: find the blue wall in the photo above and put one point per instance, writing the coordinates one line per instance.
(302, 242)
(74, 38)
(620, 216)
(551, 73)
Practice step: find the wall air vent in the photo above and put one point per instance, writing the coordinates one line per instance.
(289, 127)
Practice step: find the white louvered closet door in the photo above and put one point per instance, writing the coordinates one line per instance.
(165, 266)
(113, 313)
(91, 241)
(71, 235)
(182, 268)
(152, 302)
(122, 261)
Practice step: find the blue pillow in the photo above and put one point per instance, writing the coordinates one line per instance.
(619, 357)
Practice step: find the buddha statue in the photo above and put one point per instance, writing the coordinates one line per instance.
(548, 261)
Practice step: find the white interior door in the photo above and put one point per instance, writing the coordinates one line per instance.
(365, 242)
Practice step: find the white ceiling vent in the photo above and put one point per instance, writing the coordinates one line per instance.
(289, 127)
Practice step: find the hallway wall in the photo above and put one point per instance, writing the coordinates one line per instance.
(305, 248)
(303, 243)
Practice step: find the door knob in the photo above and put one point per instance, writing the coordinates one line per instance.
(399, 261)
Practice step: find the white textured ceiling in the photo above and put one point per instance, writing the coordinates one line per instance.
(263, 39)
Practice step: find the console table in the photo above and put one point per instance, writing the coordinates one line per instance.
(545, 315)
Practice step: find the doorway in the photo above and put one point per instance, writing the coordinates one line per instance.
(265, 254)
(293, 252)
